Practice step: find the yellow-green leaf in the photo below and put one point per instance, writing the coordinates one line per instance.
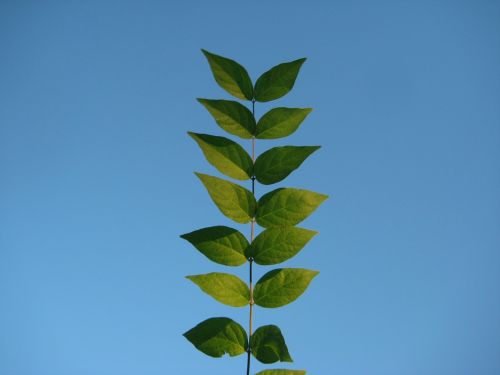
(280, 122)
(231, 116)
(234, 201)
(225, 155)
(220, 244)
(281, 286)
(287, 206)
(277, 244)
(225, 288)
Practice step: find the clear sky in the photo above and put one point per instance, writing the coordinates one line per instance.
(96, 183)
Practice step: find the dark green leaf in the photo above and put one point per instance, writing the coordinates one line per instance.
(230, 75)
(280, 122)
(277, 244)
(225, 155)
(234, 201)
(275, 164)
(231, 116)
(281, 286)
(287, 206)
(268, 345)
(281, 372)
(225, 288)
(220, 244)
(277, 81)
(218, 336)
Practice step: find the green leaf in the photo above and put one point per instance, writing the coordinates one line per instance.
(277, 244)
(230, 75)
(234, 201)
(281, 286)
(275, 164)
(287, 206)
(225, 155)
(281, 372)
(225, 288)
(220, 244)
(268, 345)
(231, 116)
(218, 336)
(280, 122)
(277, 81)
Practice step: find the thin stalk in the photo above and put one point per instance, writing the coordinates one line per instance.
(250, 261)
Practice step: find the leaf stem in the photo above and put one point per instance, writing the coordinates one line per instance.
(250, 260)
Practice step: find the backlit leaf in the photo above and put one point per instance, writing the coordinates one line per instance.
(280, 122)
(234, 201)
(225, 288)
(230, 75)
(231, 116)
(287, 206)
(281, 286)
(220, 244)
(225, 155)
(218, 336)
(277, 81)
(275, 164)
(277, 244)
(268, 345)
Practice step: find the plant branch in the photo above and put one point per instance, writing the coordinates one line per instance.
(250, 260)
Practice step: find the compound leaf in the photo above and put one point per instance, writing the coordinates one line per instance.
(281, 286)
(225, 288)
(277, 81)
(234, 201)
(225, 155)
(231, 116)
(278, 162)
(218, 336)
(277, 244)
(220, 244)
(230, 75)
(268, 345)
(280, 122)
(287, 206)
(281, 372)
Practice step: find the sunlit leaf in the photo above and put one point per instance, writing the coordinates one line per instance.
(220, 244)
(280, 122)
(225, 155)
(287, 206)
(231, 116)
(234, 201)
(281, 286)
(225, 288)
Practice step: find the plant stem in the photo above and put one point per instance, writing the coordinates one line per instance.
(250, 260)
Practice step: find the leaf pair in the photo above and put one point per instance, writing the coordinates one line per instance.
(271, 85)
(275, 289)
(280, 207)
(232, 160)
(237, 119)
(218, 336)
(228, 246)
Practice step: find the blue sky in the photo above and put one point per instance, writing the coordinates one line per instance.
(96, 183)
